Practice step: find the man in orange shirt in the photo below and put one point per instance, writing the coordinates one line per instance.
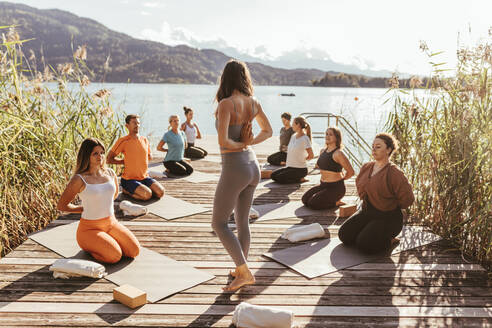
(135, 179)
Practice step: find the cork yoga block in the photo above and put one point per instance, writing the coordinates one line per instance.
(347, 210)
(130, 296)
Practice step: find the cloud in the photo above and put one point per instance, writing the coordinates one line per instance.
(153, 4)
(302, 55)
(145, 13)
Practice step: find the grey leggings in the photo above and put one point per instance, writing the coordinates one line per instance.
(238, 180)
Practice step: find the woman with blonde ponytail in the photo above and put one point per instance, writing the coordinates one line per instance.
(176, 145)
(299, 151)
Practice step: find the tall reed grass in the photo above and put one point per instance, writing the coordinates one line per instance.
(445, 140)
(41, 126)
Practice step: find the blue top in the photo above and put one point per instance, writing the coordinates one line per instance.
(175, 145)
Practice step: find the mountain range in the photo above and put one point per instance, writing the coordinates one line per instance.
(56, 34)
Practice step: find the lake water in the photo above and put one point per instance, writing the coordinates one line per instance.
(362, 107)
(156, 102)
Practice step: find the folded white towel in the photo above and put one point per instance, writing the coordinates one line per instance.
(64, 275)
(156, 174)
(253, 316)
(129, 208)
(254, 214)
(72, 267)
(305, 232)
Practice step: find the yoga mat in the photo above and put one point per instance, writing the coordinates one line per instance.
(195, 177)
(158, 275)
(329, 255)
(168, 207)
(213, 158)
(290, 209)
(268, 183)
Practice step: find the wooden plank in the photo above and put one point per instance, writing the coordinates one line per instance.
(184, 309)
(269, 300)
(274, 265)
(155, 320)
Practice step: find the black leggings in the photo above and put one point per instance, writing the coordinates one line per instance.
(324, 196)
(194, 152)
(276, 158)
(371, 230)
(289, 174)
(178, 167)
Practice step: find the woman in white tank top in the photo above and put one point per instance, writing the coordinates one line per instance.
(192, 132)
(98, 233)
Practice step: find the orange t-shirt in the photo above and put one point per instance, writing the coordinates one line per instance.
(136, 160)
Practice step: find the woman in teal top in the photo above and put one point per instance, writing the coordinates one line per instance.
(176, 145)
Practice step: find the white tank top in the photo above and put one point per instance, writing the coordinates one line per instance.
(190, 133)
(97, 199)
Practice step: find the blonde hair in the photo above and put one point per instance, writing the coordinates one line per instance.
(304, 125)
(170, 119)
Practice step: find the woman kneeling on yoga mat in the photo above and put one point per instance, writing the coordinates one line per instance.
(192, 132)
(331, 161)
(299, 151)
(99, 233)
(286, 132)
(384, 190)
(176, 145)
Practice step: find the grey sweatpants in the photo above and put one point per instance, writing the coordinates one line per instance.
(238, 180)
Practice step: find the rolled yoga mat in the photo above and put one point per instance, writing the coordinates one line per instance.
(253, 316)
(304, 232)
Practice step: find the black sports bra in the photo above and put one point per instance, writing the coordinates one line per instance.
(326, 162)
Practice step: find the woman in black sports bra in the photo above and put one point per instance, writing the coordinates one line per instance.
(331, 162)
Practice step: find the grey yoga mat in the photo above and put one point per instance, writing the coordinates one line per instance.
(195, 177)
(158, 275)
(168, 207)
(290, 209)
(325, 256)
(268, 183)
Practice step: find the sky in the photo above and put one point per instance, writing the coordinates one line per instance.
(370, 35)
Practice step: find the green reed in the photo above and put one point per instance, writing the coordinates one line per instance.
(445, 150)
(41, 126)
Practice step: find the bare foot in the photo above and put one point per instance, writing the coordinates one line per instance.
(233, 273)
(242, 277)
(395, 241)
(304, 180)
(340, 203)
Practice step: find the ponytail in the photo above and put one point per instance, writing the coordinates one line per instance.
(308, 131)
(304, 125)
(187, 110)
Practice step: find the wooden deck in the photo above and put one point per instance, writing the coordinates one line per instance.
(432, 286)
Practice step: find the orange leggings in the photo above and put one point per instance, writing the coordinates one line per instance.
(106, 239)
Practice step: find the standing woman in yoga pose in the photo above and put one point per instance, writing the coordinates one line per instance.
(385, 191)
(331, 161)
(99, 233)
(240, 170)
(176, 145)
(286, 133)
(192, 132)
(299, 151)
